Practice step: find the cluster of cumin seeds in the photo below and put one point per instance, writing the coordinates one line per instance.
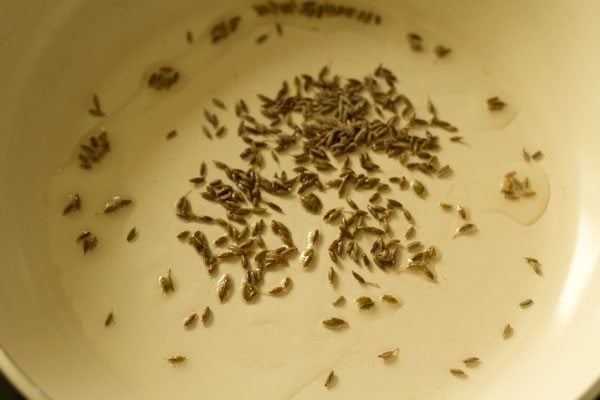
(320, 122)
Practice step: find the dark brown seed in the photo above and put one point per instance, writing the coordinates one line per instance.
(362, 280)
(331, 276)
(495, 104)
(211, 118)
(446, 206)
(223, 287)
(189, 37)
(351, 203)
(461, 211)
(261, 39)
(166, 283)
(83, 235)
(537, 155)
(526, 303)
(74, 204)
(279, 29)
(335, 322)
(456, 139)
(110, 318)
(535, 265)
(364, 302)
(389, 354)
(471, 361)
(177, 359)
(306, 257)
(464, 229)
(507, 332)
(171, 134)
(388, 298)
(190, 321)
(441, 51)
(197, 180)
(311, 203)
(184, 235)
(97, 110)
(458, 372)
(219, 103)
(132, 234)
(415, 42)
(206, 315)
(339, 301)
(115, 204)
(418, 187)
(330, 379)
(274, 206)
(375, 197)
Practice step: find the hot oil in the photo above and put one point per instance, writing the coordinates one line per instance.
(277, 340)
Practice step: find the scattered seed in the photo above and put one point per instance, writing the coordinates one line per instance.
(364, 302)
(311, 203)
(115, 204)
(339, 301)
(535, 265)
(330, 379)
(461, 211)
(184, 235)
(417, 187)
(351, 203)
(458, 372)
(507, 332)
(279, 29)
(415, 42)
(388, 298)
(219, 103)
(410, 233)
(471, 361)
(331, 276)
(88, 241)
(177, 359)
(538, 155)
(386, 355)
(495, 104)
(189, 37)
(335, 322)
(132, 235)
(206, 315)
(414, 246)
(73, 205)
(96, 111)
(526, 155)
(166, 283)
(446, 206)
(110, 318)
(171, 134)
(362, 280)
(307, 257)
(441, 51)
(190, 321)
(464, 229)
(261, 39)
(526, 303)
(223, 287)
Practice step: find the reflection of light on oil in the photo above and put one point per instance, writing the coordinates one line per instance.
(581, 268)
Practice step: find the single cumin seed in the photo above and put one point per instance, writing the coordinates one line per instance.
(507, 332)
